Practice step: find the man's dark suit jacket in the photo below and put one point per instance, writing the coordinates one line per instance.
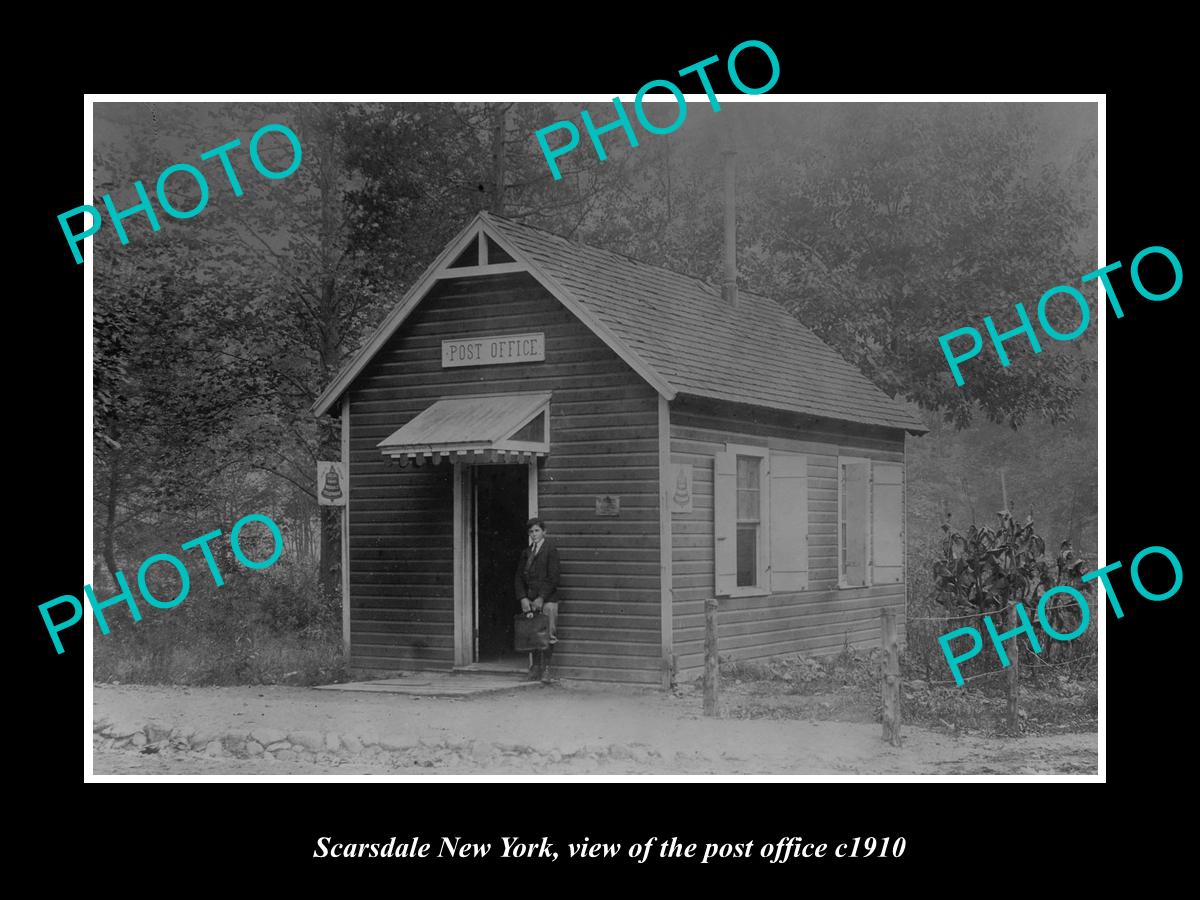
(542, 578)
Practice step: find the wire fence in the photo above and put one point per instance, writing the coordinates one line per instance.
(1040, 665)
(980, 615)
(925, 658)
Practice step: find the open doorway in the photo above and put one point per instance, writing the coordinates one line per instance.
(501, 509)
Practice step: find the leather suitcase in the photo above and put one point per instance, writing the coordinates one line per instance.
(531, 632)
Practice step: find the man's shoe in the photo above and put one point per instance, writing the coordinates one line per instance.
(547, 655)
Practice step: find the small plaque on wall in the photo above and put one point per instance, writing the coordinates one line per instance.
(681, 488)
(608, 505)
(331, 483)
(494, 351)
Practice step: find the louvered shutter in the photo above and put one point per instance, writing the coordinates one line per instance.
(854, 523)
(887, 523)
(725, 521)
(789, 522)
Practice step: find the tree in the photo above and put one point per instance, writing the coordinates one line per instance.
(151, 408)
(882, 227)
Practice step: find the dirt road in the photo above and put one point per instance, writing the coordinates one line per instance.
(568, 730)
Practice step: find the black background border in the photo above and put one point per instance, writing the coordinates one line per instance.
(1147, 442)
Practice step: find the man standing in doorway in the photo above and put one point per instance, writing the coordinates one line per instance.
(537, 590)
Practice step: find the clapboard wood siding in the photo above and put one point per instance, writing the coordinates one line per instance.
(603, 440)
(821, 619)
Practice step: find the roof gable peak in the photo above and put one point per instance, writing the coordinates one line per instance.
(482, 236)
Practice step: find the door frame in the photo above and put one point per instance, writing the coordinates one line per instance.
(466, 556)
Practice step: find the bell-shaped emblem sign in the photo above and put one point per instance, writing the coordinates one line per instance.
(681, 497)
(682, 494)
(333, 484)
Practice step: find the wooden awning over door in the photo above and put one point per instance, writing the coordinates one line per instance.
(480, 429)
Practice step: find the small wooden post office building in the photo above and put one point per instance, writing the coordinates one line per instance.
(679, 445)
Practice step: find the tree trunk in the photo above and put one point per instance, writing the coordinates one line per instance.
(667, 151)
(331, 550)
(110, 556)
(499, 132)
(330, 443)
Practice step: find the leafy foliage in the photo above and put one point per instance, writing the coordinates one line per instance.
(884, 226)
(259, 628)
(989, 569)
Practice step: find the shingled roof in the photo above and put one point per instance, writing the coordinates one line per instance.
(683, 332)
(756, 352)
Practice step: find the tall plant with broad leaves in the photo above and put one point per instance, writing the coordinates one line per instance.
(988, 569)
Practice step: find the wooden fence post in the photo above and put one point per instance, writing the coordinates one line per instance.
(1014, 675)
(712, 671)
(891, 679)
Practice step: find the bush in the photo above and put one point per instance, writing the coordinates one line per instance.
(981, 573)
(270, 627)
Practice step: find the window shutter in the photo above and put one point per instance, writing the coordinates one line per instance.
(854, 523)
(887, 525)
(789, 522)
(725, 521)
